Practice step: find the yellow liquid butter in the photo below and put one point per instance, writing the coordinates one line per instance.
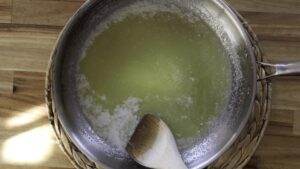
(159, 63)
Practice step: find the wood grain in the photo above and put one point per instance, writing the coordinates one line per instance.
(297, 122)
(279, 130)
(270, 26)
(282, 117)
(5, 11)
(283, 151)
(286, 93)
(281, 51)
(6, 82)
(31, 167)
(277, 34)
(280, 20)
(270, 6)
(44, 12)
(26, 48)
(28, 99)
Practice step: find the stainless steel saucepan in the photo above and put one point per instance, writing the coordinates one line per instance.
(225, 128)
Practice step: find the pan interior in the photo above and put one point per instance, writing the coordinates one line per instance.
(159, 63)
(121, 60)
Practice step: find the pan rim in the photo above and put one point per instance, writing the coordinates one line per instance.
(231, 13)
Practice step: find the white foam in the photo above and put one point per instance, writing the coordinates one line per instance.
(115, 126)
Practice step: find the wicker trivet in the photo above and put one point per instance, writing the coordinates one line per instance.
(236, 156)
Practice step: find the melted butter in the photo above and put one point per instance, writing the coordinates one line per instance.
(175, 69)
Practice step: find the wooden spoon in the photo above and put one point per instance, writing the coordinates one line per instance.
(153, 145)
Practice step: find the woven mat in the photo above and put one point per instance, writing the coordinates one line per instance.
(235, 157)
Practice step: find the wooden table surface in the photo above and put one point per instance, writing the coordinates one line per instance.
(28, 30)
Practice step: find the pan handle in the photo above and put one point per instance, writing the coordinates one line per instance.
(282, 69)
